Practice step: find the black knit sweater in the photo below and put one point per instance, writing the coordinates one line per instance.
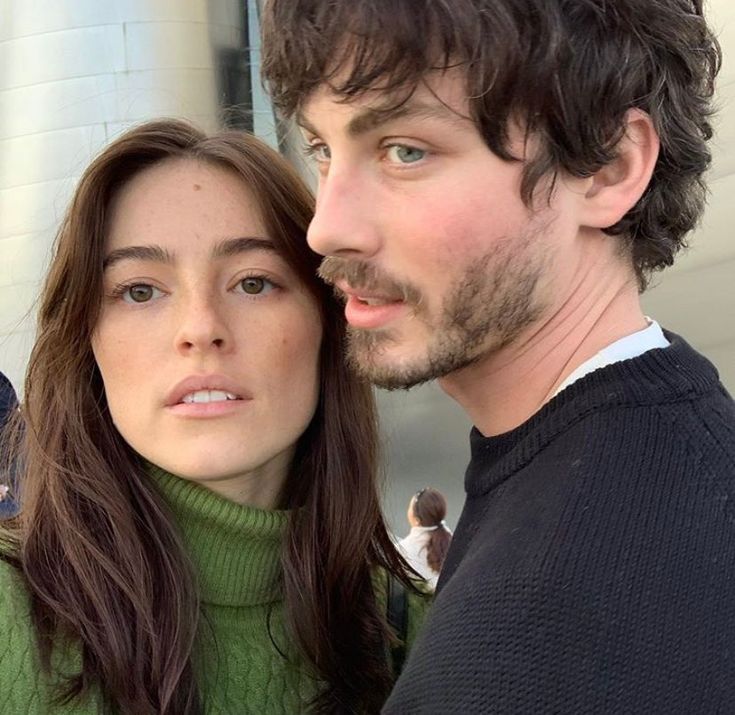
(593, 567)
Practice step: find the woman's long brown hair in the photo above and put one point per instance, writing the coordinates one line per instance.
(102, 559)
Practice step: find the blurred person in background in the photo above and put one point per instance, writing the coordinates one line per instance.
(8, 406)
(200, 528)
(426, 545)
(8, 399)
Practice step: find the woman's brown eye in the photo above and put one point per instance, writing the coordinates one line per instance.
(253, 285)
(140, 293)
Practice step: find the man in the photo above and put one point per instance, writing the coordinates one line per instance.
(498, 179)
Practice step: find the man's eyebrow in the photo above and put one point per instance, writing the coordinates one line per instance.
(234, 246)
(304, 123)
(372, 118)
(137, 253)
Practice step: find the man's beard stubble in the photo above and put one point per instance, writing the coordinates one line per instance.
(493, 300)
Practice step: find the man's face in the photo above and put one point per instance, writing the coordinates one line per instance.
(440, 261)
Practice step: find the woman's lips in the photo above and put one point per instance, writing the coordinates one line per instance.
(206, 396)
(212, 383)
(219, 408)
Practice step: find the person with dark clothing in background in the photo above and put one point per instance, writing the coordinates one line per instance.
(8, 399)
(8, 405)
(497, 182)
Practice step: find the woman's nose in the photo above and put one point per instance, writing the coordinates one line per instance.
(202, 326)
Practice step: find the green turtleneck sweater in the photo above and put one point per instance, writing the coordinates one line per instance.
(235, 553)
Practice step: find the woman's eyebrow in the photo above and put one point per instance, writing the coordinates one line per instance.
(137, 253)
(225, 248)
(244, 244)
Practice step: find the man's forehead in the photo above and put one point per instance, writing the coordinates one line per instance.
(442, 98)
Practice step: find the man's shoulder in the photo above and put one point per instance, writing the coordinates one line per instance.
(644, 434)
(635, 487)
(649, 470)
(683, 448)
(705, 420)
(676, 387)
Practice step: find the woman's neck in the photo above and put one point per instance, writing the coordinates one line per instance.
(260, 487)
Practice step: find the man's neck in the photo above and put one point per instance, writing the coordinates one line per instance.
(507, 387)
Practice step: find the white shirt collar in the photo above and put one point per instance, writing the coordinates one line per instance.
(626, 348)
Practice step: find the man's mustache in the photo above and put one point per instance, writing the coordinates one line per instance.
(361, 275)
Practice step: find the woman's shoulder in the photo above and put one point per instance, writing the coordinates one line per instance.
(15, 608)
(22, 691)
(25, 687)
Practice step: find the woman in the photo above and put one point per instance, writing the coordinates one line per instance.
(200, 529)
(427, 543)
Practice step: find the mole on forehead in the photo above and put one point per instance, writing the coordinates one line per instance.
(197, 187)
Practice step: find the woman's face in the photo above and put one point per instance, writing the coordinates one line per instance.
(207, 342)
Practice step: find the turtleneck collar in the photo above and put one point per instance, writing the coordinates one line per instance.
(235, 549)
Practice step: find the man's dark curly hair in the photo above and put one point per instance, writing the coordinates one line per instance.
(566, 70)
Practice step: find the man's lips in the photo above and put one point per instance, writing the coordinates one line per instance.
(369, 309)
(368, 296)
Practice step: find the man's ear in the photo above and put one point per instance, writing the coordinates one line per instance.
(617, 186)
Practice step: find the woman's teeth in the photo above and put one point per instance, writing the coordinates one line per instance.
(208, 396)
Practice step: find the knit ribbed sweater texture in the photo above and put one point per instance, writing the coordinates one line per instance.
(592, 570)
(235, 553)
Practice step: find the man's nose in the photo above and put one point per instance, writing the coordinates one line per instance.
(345, 222)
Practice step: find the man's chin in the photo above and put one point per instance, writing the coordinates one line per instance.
(390, 371)
(387, 365)
(378, 362)
(389, 377)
